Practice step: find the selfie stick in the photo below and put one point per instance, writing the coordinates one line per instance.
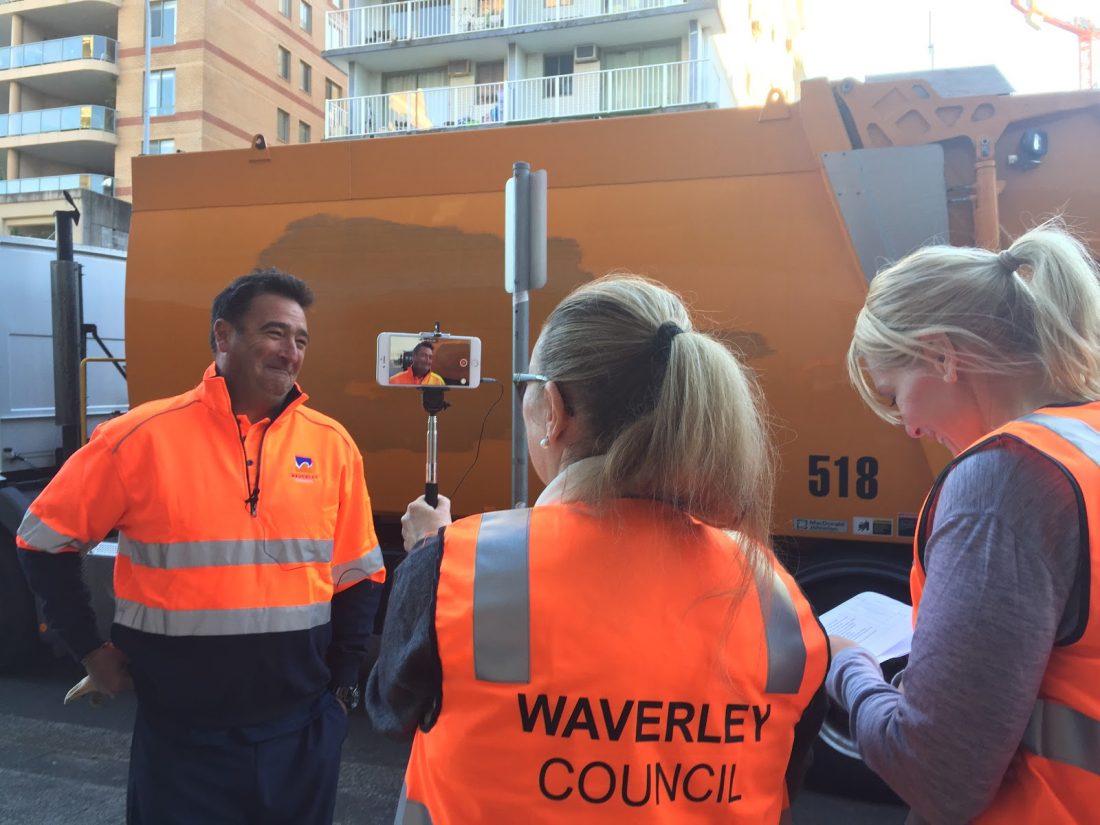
(433, 404)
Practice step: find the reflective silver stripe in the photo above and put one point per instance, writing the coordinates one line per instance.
(502, 604)
(350, 572)
(1063, 734)
(41, 536)
(409, 811)
(786, 647)
(220, 622)
(1076, 432)
(182, 554)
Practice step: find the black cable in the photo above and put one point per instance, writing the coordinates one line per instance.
(481, 435)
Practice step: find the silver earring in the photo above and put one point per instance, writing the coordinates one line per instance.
(544, 442)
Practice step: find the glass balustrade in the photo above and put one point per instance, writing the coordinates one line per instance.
(64, 119)
(43, 52)
(103, 184)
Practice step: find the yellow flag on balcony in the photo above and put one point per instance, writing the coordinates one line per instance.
(409, 110)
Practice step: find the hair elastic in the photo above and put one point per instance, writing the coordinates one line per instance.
(665, 333)
(1009, 262)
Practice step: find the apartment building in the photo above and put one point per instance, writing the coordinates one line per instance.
(452, 64)
(72, 88)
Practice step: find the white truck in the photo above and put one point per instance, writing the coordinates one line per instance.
(30, 440)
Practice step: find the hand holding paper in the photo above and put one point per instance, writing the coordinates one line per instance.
(875, 622)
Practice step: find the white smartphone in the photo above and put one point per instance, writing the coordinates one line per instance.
(427, 359)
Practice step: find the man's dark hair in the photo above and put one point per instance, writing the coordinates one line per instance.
(422, 345)
(233, 302)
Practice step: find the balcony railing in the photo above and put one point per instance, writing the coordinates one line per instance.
(103, 184)
(65, 119)
(689, 82)
(417, 19)
(79, 47)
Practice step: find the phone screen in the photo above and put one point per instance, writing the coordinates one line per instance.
(412, 360)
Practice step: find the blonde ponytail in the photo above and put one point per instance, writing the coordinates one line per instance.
(678, 417)
(1031, 310)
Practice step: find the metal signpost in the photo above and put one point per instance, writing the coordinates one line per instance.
(524, 270)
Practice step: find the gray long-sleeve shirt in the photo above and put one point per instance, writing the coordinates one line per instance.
(1002, 564)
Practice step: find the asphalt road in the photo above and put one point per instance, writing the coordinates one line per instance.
(67, 765)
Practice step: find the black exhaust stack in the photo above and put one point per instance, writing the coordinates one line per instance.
(68, 338)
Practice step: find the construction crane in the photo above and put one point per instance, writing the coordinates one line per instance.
(1085, 30)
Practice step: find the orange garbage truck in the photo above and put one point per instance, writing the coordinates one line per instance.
(770, 221)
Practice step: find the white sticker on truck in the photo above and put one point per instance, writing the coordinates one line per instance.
(821, 525)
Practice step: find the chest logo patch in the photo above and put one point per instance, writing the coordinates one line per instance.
(303, 469)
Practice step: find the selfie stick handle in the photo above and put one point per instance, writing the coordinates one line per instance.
(434, 404)
(431, 479)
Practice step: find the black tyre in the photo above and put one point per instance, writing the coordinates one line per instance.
(830, 575)
(18, 621)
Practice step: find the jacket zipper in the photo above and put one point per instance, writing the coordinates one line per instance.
(253, 489)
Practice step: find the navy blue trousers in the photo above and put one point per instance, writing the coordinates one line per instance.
(281, 773)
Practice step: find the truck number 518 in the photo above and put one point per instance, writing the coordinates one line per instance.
(825, 469)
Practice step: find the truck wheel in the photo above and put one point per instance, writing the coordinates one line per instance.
(18, 628)
(828, 577)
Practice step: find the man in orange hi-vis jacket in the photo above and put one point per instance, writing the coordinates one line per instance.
(420, 370)
(247, 578)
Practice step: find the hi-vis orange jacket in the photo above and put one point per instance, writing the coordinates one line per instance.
(612, 667)
(220, 533)
(1055, 775)
(407, 377)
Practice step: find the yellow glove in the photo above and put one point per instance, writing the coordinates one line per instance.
(85, 687)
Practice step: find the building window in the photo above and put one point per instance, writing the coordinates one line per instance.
(489, 72)
(162, 22)
(303, 132)
(162, 147)
(30, 230)
(282, 125)
(305, 16)
(284, 63)
(284, 8)
(558, 69)
(307, 77)
(333, 90)
(162, 93)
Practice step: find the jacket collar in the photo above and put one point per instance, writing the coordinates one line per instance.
(574, 482)
(214, 393)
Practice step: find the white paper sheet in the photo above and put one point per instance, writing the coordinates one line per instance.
(882, 625)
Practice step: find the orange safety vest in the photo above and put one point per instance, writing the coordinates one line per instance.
(1055, 775)
(432, 379)
(599, 667)
(197, 555)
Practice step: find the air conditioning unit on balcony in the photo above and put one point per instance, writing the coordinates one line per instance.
(586, 53)
(458, 68)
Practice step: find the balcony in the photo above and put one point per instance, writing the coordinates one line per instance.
(420, 19)
(80, 47)
(102, 184)
(65, 119)
(611, 91)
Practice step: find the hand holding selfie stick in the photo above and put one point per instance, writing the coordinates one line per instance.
(434, 403)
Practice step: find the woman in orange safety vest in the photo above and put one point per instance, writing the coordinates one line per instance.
(997, 357)
(617, 652)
